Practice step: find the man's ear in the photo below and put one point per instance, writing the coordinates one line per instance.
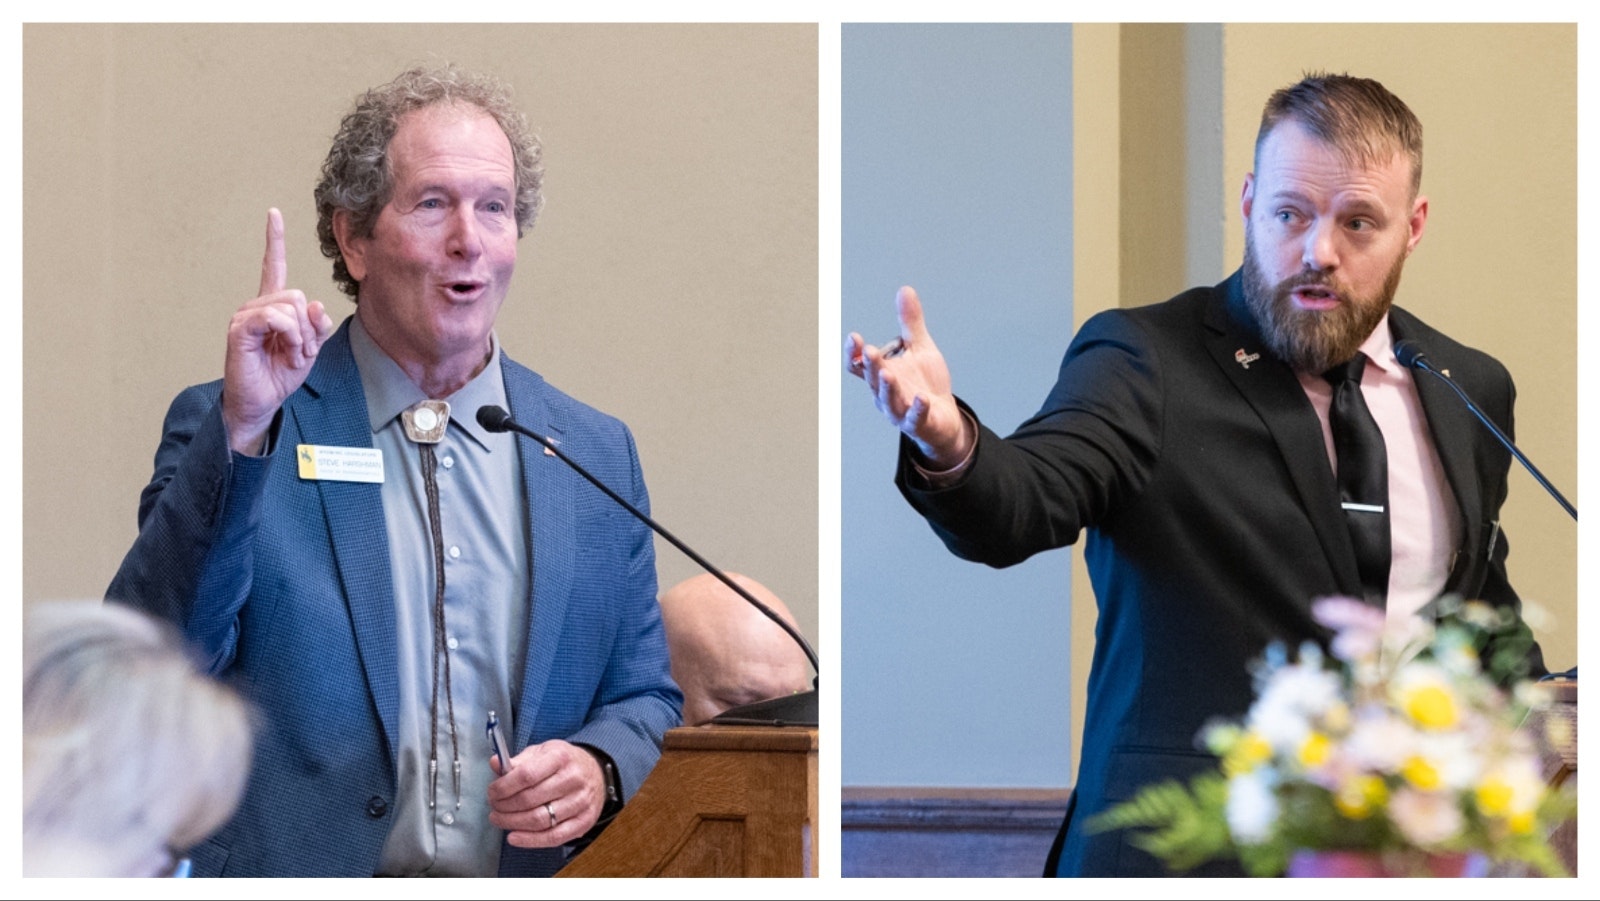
(1419, 219)
(351, 247)
(1247, 196)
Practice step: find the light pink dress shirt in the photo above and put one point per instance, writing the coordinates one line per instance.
(1424, 525)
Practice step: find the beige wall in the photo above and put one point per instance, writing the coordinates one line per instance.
(671, 281)
(1497, 267)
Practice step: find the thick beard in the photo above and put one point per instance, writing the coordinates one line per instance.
(1313, 340)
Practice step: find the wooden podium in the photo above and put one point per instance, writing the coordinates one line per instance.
(722, 801)
(1556, 724)
(1553, 723)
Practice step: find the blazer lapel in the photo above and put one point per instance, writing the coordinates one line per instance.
(1271, 388)
(549, 487)
(1453, 429)
(331, 409)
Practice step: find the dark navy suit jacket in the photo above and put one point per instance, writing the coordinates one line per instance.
(1213, 522)
(284, 585)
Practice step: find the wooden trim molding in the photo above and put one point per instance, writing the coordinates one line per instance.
(890, 831)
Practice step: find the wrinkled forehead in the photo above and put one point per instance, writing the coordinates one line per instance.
(449, 129)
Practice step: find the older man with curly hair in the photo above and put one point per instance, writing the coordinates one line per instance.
(333, 529)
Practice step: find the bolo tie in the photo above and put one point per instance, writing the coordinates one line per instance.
(1363, 475)
(425, 425)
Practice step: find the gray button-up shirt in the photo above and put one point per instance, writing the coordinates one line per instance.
(484, 520)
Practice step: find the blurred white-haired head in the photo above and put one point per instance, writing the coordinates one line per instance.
(130, 752)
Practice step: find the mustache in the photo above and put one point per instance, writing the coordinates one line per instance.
(1310, 280)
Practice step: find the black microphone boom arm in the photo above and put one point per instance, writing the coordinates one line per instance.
(496, 419)
(1412, 357)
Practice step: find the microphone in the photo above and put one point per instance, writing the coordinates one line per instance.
(797, 709)
(1411, 356)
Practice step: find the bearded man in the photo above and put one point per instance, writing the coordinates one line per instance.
(1233, 453)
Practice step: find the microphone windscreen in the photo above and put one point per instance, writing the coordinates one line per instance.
(1409, 354)
(493, 417)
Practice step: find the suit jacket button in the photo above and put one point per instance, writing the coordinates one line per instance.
(377, 807)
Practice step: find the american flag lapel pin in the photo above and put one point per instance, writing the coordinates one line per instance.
(1245, 359)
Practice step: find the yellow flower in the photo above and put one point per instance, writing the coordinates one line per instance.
(1430, 705)
(1357, 798)
(1494, 797)
(1249, 752)
(1421, 772)
(1314, 750)
(1521, 823)
(1511, 793)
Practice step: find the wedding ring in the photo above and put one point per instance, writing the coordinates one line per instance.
(552, 811)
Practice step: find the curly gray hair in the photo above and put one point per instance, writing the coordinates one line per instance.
(357, 175)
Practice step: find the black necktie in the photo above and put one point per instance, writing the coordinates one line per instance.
(1363, 476)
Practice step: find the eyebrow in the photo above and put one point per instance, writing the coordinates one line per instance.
(1289, 194)
(423, 188)
(1356, 206)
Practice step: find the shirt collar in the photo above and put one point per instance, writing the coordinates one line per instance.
(390, 391)
(1379, 348)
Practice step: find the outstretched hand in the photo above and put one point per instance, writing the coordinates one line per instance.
(272, 341)
(910, 383)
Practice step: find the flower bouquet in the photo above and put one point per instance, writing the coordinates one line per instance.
(1397, 744)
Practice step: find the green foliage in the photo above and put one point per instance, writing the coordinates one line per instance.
(1308, 818)
(1187, 825)
(1359, 748)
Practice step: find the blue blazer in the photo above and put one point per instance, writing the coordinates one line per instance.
(284, 586)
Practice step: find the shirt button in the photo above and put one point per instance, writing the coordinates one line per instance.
(451, 643)
(448, 462)
(377, 807)
(455, 552)
(449, 819)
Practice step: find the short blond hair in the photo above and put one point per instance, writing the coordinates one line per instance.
(1358, 117)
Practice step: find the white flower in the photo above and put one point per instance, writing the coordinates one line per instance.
(1379, 742)
(1291, 701)
(1424, 692)
(1512, 787)
(1252, 808)
(1425, 818)
(1456, 653)
(1462, 757)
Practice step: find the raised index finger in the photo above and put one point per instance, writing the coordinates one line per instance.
(909, 309)
(274, 264)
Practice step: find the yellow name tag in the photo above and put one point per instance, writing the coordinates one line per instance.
(340, 464)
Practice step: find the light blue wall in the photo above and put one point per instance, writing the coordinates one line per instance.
(957, 176)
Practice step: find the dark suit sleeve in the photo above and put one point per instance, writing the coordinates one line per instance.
(191, 564)
(1091, 447)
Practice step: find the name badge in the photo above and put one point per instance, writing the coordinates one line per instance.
(340, 464)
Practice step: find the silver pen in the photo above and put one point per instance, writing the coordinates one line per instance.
(497, 741)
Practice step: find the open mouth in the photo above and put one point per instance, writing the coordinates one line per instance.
(1315, 297)
(464, 290)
